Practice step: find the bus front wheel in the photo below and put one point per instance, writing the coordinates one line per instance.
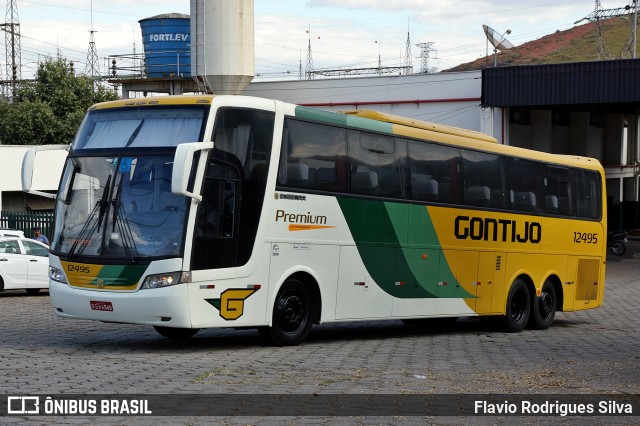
(544, 307)
(518, 306)
(176, 333)
(292, 315)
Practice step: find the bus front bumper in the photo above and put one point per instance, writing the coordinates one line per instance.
(168, 307)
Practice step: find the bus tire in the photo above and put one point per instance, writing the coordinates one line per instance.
(176, 333)
(292, 315)
(518, 307)
(544, 307)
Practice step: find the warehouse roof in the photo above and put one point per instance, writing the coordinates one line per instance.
(606, 86)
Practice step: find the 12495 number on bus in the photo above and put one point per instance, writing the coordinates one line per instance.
(585, 238)
(78, 268)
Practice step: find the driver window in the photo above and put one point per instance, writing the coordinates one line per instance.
(215, 240)
(216, 213)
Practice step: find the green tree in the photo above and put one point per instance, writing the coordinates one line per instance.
(27, 123)
(49, 109)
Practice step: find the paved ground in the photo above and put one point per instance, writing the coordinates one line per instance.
(587, 352)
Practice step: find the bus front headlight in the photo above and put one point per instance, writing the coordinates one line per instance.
(57, 275)
(166, 280)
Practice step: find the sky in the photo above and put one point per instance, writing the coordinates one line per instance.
(342, 33)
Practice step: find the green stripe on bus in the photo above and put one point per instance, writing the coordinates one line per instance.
(367, 124)
(343, 119)
(400, 249)
(118, 275)
(321, 115)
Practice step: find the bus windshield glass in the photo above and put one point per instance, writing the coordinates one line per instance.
(140, 128)
(119, 207)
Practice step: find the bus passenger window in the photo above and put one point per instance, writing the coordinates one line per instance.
(525, 180)
(435, 171)
(313, 156)
(484, 179)
(588, 194)
(557, 199)
(377, 165)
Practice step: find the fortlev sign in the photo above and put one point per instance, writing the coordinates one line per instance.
(169, 37)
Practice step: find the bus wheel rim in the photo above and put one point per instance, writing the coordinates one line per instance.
(546, 304)
(518, 307)
(291, 313)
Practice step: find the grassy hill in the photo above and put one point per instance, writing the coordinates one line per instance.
(577, 44)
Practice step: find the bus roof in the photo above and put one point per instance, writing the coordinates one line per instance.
(470, 139)
(406, 127)
(157, 100)
(419, 124)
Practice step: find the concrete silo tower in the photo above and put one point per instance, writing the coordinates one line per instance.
(222, 48)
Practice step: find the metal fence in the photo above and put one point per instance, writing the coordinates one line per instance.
(26, 221)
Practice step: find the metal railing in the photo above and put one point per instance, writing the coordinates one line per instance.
(26, 221)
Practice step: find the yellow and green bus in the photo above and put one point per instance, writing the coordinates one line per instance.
(195, 212)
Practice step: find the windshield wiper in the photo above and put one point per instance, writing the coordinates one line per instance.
(100, 209)
(120, 219)
(103, 202)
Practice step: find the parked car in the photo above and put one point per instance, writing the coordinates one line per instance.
(8, 232)
(24, 264)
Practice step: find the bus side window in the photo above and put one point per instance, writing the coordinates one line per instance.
(526, 182)
(313, 156)
(557, 190)
(484, 179)
(588, 192)
(434, 172)
(376, 165)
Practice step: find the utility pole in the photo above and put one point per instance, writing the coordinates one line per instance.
(600, 15)
(425, 54)
(408, 60)
(309, 69)
(11, 27)
(92, 68)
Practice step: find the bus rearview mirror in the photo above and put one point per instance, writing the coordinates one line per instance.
(182, 165)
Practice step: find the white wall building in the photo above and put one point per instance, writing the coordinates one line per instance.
(46, 177)
(447, 98)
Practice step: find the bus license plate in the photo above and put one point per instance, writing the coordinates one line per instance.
(101, 306)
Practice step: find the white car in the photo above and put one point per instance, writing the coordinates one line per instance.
(24, 264)
(8, 232)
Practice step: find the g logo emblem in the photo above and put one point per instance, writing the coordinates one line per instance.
(231, 302)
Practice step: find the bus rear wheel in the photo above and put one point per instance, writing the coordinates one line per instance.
(544, 307)
(518, 306)
(292, 315)
(176, 333)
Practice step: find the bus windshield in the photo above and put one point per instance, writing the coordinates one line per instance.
(119, 207)
(140, 128)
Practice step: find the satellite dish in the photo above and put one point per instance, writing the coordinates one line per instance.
(497, 40)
